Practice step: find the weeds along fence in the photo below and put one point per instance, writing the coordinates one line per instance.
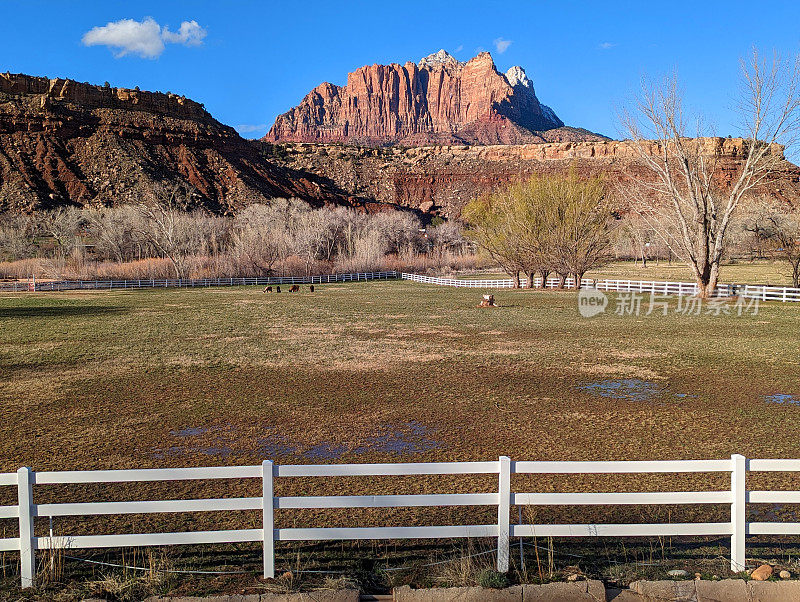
(749, 291)
(66, 285)
(27, 510)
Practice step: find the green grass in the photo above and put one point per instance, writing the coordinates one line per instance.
(106, 379)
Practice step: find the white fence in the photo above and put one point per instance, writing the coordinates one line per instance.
(65, 285)
(737, 497)
(749, 291)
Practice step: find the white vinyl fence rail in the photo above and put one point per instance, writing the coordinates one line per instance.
(749, 291)
(66, 285)
(737, 497)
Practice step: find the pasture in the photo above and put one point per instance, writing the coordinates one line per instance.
(390, 371)
(102, 379)
(775, 273)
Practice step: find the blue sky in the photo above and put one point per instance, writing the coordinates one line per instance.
(250, 61)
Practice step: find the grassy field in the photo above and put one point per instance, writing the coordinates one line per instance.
(741, 272)
(387, 371)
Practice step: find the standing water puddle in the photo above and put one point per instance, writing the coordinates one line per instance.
(782, 398)
(412, 439)
(404, 438)
(190, 431)
(220, 450)
(631, 389)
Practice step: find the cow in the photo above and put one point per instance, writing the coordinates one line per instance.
(277, 289)
(294, 288)
(268, 289)
(311, 288)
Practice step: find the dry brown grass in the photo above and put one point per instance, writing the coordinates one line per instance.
(107, 379)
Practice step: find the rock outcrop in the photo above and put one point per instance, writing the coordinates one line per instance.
(439, 180)
(65, 142)
(438, 101)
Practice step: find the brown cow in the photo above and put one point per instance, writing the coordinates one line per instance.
(268, 289)
(294, 288)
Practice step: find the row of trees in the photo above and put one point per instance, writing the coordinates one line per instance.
(548, 225)
(284, 236)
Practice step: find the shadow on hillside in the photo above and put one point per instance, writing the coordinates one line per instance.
(57, 311)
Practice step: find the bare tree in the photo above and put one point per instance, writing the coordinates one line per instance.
(165, 224)
(778, 226)
(63, 224)
(680, 197)
(116, 233)
(257, 240)
(399, 229)
(16, 237)
(309, 237)
(369, 249)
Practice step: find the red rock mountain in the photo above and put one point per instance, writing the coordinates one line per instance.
(65, 142)
(438, 101)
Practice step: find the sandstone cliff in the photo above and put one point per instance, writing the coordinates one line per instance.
(65, 142)
(438, 101)
(439, 180)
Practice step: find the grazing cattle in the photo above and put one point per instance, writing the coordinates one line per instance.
(294, 288)
(277, 289)
(311, 288)
(268, 289)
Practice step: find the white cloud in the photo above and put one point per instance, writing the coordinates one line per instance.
(606, 45)
(502, 45)
(249, 128)
(460, 48)
(189, 34)
(144, 38)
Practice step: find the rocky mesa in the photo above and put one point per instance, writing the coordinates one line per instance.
(63, 142)
(66, 142)
(439, 180)
(439, 100)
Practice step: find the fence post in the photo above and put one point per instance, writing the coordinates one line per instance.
(27, 558)
(268, 520)
(738, 525)
(503, 514)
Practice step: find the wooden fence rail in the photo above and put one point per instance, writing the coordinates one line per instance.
(748, 291)
(736, 497)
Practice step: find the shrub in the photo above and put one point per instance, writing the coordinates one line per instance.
(490, 578)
